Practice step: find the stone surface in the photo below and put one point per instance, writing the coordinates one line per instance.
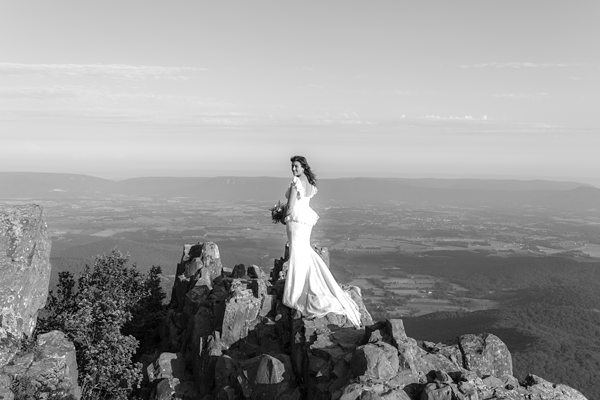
(377, 360)
(5, 388)
(9, 346)
(199, 262)
(53, 369)
(241, 311)
(433, 391)
(485, 354)
(270, 377)
(239, 341)
(549, 391)
(24, 267)
(166, 366)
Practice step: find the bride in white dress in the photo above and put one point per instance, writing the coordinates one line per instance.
(310, 287)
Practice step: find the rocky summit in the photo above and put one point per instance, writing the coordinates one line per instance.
(228, 336)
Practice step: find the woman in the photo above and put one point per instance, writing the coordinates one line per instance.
(309, 286)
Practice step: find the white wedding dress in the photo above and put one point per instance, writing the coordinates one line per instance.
(310, 287)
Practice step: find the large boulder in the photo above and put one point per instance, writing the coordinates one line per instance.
(24, 268)
(377, 360)
(241, 312)
(170, 378)
(200, 262)
(270, 376)
(485, 354)
(50, 370)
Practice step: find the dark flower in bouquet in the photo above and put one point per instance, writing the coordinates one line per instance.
(278, 212)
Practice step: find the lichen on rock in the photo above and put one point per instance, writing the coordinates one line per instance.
(24, 267)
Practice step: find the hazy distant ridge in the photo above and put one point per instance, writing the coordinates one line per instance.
(553, 194)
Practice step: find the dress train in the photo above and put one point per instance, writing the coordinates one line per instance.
(310, 287)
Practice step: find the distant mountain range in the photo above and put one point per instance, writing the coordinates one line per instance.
(458, 192)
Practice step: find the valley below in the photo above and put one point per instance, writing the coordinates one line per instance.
(528, 273)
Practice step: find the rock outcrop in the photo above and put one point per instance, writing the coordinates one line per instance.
(228, 336)
(24, 268)
(49, 368)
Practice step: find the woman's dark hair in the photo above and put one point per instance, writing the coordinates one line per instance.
(312, 178)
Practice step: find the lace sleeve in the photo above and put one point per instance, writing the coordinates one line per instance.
(298, 185)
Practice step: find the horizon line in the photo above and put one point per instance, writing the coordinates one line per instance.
(556, 180)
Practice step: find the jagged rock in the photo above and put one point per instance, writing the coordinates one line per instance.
(229, 373)
(241, 311)
(271, 370)
(493, 382)
(240, 341)
(167, 365)
(195, 298)
(425, 361)
(199, 262)
(439, 378)
(370, 390)
(9, 346)
(259, 288)
(434, 391)
(53, 369)
(321, 349)
(24, 270)
(369, 396)
(170, 377)
(405, 379)
(468, 391)
(509, 382)
(256, 272)
(545, 390)
(269, 376)
(164, 390)
(19, 364)
(450, 352)
(392, 331)
(5, 384)
(239, 271)
(268, 304)
(279, 272)
(485, 354)
(375, 361)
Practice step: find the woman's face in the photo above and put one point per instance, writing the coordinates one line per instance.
(297, 169)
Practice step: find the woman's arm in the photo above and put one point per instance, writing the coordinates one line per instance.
(291, 200)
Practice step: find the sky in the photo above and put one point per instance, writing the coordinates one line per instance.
(447, 89)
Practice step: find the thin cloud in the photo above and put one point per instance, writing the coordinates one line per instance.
(519, 65)
(38, 93)
(520, 95)
(330, 118)
(119, 71)
(80, 97)
(434, 117)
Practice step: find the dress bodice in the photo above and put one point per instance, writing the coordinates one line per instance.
(302, 212)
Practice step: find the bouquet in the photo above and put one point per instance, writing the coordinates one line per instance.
(278, 212)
